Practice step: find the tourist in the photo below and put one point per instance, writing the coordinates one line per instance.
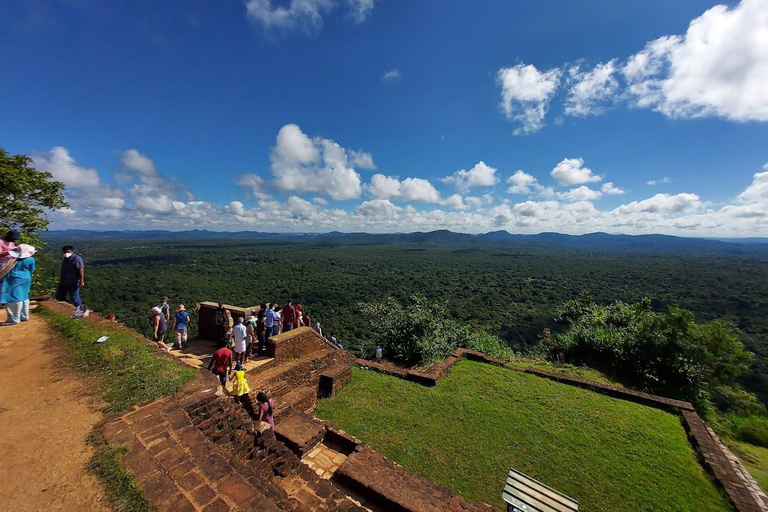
(299, 316)
(239, 333)
(261, 331)
(239, 384)
(277, 327)
(289, 316)
(250, 338)
(306, 320)
(221, 316)
(8, 242)
(72, 277)
(166, 309)
(266, 408)
(16, 284)
(269, 318)
(221, 363)
(180, 322)
(159, 328)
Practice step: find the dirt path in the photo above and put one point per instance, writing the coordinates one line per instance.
(45, 416)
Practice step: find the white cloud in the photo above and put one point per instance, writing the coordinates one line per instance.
(455, 202)
(303, 15)
(611, 189)
(758, 189)
(62, 166)
(361, 159)
(301, 164)
(300, 207)
(236, 208)
(410, 189)
(525, 95)
(391, 75)
(474, 202)
(718, 68)
(522, 183)
(134, 160)
(481, 175)
(319, 200)
(582, 193)
(379, 208)
(254, 185)
(658, 182)
(663, 204)
(146, 200)
(571, 171)
(591, 92)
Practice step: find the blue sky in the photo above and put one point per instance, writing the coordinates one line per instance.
(375, 115)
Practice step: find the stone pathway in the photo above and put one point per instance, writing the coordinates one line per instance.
(324, 460)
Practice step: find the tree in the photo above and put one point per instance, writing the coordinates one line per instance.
(666, 353)
(25, 195)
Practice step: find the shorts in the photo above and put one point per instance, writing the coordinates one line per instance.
(159, 337)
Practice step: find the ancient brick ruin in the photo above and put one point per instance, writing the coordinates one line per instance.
(202, 451)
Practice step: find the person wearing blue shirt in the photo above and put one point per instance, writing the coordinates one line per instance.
(14, 291)
(269, 319)
(72, 276)
(180, 322)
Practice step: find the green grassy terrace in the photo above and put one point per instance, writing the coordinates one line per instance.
(125, 369)
(480, 420)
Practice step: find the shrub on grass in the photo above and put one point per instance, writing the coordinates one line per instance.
(421, 332)
(128, 370)
(666, 353)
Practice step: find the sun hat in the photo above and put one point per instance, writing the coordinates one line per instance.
(156, 310)
(181, 307)
(22, 251)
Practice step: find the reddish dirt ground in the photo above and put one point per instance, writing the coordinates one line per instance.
(45, 415)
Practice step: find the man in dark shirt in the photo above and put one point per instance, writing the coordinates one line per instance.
(221, 315)
(72, 276)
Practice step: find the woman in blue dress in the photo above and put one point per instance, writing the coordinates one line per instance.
(16, 285)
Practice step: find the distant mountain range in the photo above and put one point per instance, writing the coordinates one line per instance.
(588, 242)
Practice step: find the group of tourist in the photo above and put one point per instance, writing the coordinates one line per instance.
(161, 319)
(17, 264)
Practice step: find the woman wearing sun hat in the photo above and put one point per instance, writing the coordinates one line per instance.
(16, 285)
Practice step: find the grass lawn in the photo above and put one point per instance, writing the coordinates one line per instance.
(754, 458)
(126, 370)
(480, 420)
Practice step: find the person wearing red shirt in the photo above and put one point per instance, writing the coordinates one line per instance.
(221, 363)
(289, 316)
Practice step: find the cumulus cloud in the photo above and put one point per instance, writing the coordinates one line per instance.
(455, 201)
(716, 69)
(377, 208)
(361, 160)
(591, 92)
(582, 193)
(481, 175)
(303, 15)
(253, 184)
(410, 189)
(319, 165)
(522, 183)
(663, 204)
(391, 75)
(571, 171)
(62, 166)
(758, 189)
(611, 189)
(525, 95)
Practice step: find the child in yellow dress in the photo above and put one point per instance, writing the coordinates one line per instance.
(239, 384)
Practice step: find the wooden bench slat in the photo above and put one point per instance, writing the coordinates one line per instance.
(543, 488)
(531, 495)
(532, 498)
